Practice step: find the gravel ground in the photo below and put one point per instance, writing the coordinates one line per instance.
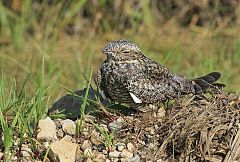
(194, 128)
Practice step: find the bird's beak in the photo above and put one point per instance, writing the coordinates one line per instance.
(105, 51)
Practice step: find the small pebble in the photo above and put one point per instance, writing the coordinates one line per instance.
(130, 147)
(116, 125)
(69, 126)
(126, 154)
(89, 160)
(86, 145)
(124, 159)
(114, 154)
(115, 160)
(136, 158)
(152, 131)
(104, 152)
(47, 130)
(151, 146)
(63, 151)
(120, 146)
(161, 112)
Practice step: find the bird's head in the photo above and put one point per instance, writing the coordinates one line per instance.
(122, 50)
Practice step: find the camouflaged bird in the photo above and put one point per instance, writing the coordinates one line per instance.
(127, 76)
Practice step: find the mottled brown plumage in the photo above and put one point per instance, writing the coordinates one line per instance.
(127, 76)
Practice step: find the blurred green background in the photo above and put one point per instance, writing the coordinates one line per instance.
(191, 37)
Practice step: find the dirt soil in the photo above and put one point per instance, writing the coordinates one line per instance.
(194, 128)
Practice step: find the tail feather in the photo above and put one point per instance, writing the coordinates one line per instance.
(210, 78)
(202, 84)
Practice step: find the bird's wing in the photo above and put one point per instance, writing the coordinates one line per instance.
(154, 70)
(151, 84)
(146, 90)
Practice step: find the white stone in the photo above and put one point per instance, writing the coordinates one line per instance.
(120, 146)
(116, 125)
(161, 113)
(126, 154)
(104, 152)
(114, 154)
(47, 130)
(68, 126)
(136, 158)
(130, 147)
(63, 151)
(86, 145)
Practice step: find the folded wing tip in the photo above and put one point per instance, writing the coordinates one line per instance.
(135, 98)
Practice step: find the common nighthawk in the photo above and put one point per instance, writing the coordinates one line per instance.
(128, 76)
